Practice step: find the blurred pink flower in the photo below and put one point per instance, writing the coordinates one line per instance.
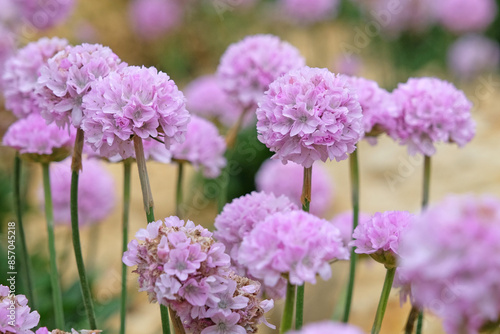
(343, 221)
(462, 16)
(43, 15)
(153, 18)
(308, 11)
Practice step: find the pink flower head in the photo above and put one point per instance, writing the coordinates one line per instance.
(136, 101)
(344, 222)
(328, 327)
(248, 67)
(462, 16)
(96, 192)
(153, 18)
(203, 148)
(472, 55)
(432, 110)
(206, 98)
(67, 77)
(37, 141)
(378, 107)
(15, 315)
(181, 266)
(279, 179)
(310, 114)
(293, 243)
(450, 257)
(381, 235)
(19, 79)
(309, 11)
(44, 15)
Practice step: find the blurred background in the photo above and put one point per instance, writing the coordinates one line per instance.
(384, 40)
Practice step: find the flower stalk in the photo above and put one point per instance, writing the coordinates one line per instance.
(384, 297)
(287, 317)
(125, 223)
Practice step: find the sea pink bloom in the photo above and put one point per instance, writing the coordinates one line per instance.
(343, 221)
(328, 327)
(462, 16)
(44, 15)
(310, 114)
(308, 11)
(153, 18)
(21, 320)
(224, 325)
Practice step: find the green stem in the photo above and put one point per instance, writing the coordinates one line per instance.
(384, 297)
(354, 172)
(25, 262)
(54, 274)
(420, 322)
(287, 318)
(125, 222)
(178, 192)
(76, 165)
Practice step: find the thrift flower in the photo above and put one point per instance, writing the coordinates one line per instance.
(15, 315)
(431, 110)
(248, 67)
(153, 18)
(328, 327)
(462, 16)
(21, 71)
(45, 15)
(307, 11)
(310, 114)
(343, 221)
(293, 243)
(274, 177)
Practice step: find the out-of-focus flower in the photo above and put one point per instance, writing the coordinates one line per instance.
(328, 327)
(15, 314)
(308, 11)
(347, 64)
(153, 18)
(343, 221)
(462, 16)
(43, 15)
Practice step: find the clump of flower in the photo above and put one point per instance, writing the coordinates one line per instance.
(153, 18)
(378, 107)
(21, 71)
(293, 244)
(67, 77)
(472, 55)
(430, 111)
(310, 114)
(37, 141)
(181, 266)
(328, 327)
(45, 15)
(203, 148)
(307, 11)
(450, 257)
(279, 179)
(15, 315)
(135, 101)
(380, 236)
(206, 98)
(343, 221)
(462, 16)
(96, 193)
(248, 67)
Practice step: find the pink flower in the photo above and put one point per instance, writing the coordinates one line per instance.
(248, 67)
(461, 16)
(328, 327)
(21, 73)
(343, 221)
(310, 114)
(432, 110)
(307, 11)
(37, 141)
(294, 243)
(224, 325)
(15, 315)
(136, 101)
(274, 177)
(67, 78)
(153, 18)
(43, 15)
(450, 257)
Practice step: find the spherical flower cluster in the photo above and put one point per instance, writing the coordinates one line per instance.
(20, 75)
(310, 114)
(274, 177)
(450, 256)
(181, 266)
(135, 101)
(466, 15)
(328, 327)
(152, 18)
(378, 107)
(472, 55)
(206, 98)
(248, 67)
(343, 221)
(67, 77)
(203, 148)
(15, 315)
(42, 15)
(294, 243)
(307, 11)
(431, 110)
(381, 235)
(96, 192)
(37, 141)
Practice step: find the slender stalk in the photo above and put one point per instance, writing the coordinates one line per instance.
(54, 274)
(125, 223)
(354, 171)
(178, 192)
(410, 322)
(234, 130)
(25, 262)
(384, 297)
(76, 166)
(287, 318)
